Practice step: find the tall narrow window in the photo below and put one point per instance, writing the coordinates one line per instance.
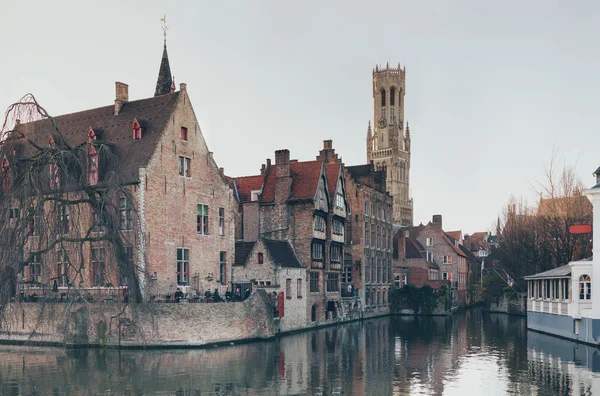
(585, 287)
(317, 251)
(62, 264)
(260, 258)
(123, 271)
(125, 213)
(202, 219)
(184, 166)
(333, 282)
(392, 96)
(299, 288)
(99, 224)
(54, 176)
(314, 282)
(137, 130)
(221, 221)
(335, 253)
(382, 97)
(6, 177)
(98, 269)
(184, 133)
(33, 220)
(92, 165)
(319, 223)
(223, 267)
(35, 268)
(183, 266)
(63, 218)
(288, 289)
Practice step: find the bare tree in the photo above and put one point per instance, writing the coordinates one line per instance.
(63, 204)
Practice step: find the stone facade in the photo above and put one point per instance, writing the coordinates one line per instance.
(388, 145)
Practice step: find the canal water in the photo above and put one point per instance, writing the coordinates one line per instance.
(472, 353)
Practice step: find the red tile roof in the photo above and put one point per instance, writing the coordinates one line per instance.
(246, 184)
(456, 235)
(479, 235)
(305, 176)
(332, 171)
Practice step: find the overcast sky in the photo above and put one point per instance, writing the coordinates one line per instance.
(492, 87)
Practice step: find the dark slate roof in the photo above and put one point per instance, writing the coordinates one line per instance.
(357, 171)
(560, 272)
(242, 251)
(282, 254)
(470, 256)
(165, 80)
(597, 172)
(305, 177)
(116, 131)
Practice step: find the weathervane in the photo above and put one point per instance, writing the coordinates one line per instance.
(164, 28)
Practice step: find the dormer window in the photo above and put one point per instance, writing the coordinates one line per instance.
(6, 177)
(137, 130)
(184, 133)
(92, 165)
(254, 195)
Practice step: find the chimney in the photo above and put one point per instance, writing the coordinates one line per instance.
(262, 169)
(282, 160)
(328, 144)
(328, 154)
(222, 170)
(596, 174)
(283, 179)
(121, 96)
(437, 219)
(183, 87)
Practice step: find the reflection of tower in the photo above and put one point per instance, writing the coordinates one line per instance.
(389, 144)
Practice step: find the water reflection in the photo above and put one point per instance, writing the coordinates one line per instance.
(471, 352)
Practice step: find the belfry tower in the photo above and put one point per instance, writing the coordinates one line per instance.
(388, 142)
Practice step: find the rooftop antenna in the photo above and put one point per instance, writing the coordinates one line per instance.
(164, 28)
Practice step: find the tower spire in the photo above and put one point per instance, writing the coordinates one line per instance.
(165, 80)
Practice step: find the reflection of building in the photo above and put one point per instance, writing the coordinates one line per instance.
(561, 301)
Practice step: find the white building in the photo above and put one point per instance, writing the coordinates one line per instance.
(563, 301)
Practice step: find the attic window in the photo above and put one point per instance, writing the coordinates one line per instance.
(92, 165)
(137, 130)
(184, 133)
(6, 177)
(254, 195)
(260, 258)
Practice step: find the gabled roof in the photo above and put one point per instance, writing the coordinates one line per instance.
(560, 272)
(115, 130)
(468, 254)
(480, 236)
(454, 247)
(456, 235)
(305, 180)
(242, 251)
(246, 184)
(282, 254)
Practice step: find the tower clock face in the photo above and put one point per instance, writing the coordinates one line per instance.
(382, 123)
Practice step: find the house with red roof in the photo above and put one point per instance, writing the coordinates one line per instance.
(304, 205)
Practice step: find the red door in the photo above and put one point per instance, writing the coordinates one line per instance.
(280, 304)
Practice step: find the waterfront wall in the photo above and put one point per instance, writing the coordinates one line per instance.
(511, 304)
(138, 325)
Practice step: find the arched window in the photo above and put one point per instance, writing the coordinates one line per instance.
(382, 97)
(92, 165)
(313, 313)
(137, 130)
(585, 287)
(392, 96)
(6, 178)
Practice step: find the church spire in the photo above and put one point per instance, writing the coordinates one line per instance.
(369, 142)
(165, 80)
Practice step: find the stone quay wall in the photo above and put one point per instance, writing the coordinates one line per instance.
(511, 304)
(138, 325)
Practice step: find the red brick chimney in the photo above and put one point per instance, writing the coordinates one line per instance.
(437, 219)
(283, 179)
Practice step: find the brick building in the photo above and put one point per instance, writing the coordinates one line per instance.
(446, 254)
(368, 254)
(413, 265)
(303, 203)
(176, 218)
